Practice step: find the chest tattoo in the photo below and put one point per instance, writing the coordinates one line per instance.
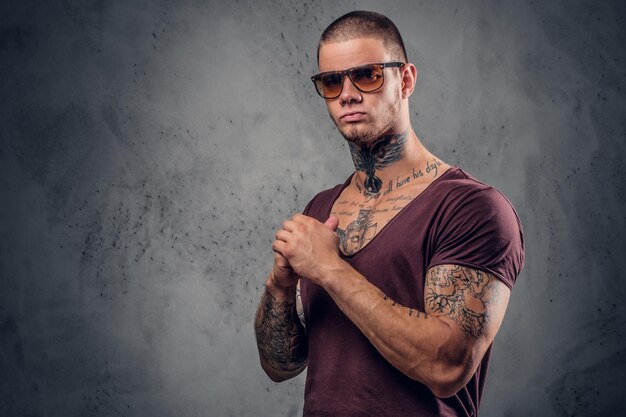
(357, 233)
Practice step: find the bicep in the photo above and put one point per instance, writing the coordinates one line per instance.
(471, 301)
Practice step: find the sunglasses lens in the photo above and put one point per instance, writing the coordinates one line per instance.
(329, 85)
(368, 78)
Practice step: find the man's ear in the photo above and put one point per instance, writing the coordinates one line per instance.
(409, 77)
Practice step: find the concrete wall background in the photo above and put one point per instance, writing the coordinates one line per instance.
(148, 151)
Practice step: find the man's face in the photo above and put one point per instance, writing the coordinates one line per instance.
(362, 118)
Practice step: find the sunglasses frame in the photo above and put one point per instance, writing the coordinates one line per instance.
(349, 72)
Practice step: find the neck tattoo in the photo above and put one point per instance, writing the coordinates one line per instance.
(387, 150)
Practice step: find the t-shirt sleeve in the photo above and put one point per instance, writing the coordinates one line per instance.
(320, 205)
(483, 232)
(307, 209)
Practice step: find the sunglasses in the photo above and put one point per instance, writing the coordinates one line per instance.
(366, 78)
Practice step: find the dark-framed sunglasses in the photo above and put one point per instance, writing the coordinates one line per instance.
(366, 78)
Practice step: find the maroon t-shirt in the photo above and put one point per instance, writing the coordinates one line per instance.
(455, 220)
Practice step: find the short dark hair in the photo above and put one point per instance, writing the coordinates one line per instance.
(362, 24)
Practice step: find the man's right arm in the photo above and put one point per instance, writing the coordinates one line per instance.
(281, 338)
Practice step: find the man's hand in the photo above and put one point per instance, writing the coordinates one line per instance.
(282, 279)
(308, 245)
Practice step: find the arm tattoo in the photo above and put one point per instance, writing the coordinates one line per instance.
(410, 311)
(382, 153)
(462, 294)
(280, 336)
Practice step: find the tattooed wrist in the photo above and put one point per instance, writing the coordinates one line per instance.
(278, 292)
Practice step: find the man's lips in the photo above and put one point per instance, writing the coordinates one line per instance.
(353, 116)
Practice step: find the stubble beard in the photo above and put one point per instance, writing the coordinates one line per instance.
(367, 137)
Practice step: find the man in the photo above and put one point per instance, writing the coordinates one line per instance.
(404, 270)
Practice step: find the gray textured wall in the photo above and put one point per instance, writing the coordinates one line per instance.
(148, 151)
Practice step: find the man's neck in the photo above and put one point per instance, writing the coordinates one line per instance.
(391, 162)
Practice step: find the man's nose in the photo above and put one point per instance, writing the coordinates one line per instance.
(349, 93)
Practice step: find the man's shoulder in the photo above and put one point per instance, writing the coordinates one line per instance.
(467, 200)
(328, 193)
(322, 201)
(458, 180)
(461, 188)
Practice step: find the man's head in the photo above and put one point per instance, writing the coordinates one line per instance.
(372, 100)
(362, 24)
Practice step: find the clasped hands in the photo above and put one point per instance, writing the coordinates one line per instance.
(306, 248)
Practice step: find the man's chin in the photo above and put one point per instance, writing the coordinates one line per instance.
(355, 135)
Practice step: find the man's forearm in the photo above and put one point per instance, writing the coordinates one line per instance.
(421, 346)
(281, 338)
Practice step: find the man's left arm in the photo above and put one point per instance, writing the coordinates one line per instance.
(440, 347)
